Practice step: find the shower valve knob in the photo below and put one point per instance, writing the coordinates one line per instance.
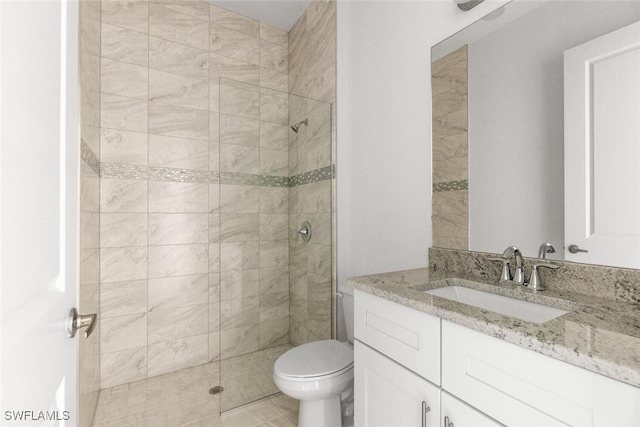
(305, 231)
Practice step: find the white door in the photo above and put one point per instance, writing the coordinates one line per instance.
(602, 149)
(389, 395)
(38, 211)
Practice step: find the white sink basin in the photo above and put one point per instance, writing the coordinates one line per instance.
(524, 310)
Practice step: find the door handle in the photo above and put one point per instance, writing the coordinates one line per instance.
(574, 249)
(425, 409)
(77, 321)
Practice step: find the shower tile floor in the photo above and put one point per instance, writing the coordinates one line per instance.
(182, 398)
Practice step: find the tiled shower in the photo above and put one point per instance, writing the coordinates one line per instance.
(194, 187)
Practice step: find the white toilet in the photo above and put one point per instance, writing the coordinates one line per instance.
(318, 374)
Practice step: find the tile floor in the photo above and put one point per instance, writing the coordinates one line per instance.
(249, 377)
(182, 399)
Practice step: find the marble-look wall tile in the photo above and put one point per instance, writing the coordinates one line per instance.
(450, 202)
(239, 312)
(123, 229)
(274, 253)
(239, 159)
(274, 35)
(178, 197)
(123, 298)
(176, 229)
(182, 122)
(123, 147)
(315, 197)
(90, 107)
(273, 56)
(124, 45)
(450, 147)
(120, 78)
(214, 257)
(239, 199)
(235, 69)
(274, 79)
(214, 228)
(274, 162)
(234, 44)
(234, 21)
(274, 332)
(122, 264)
(454, 169)
(130, 14)
(178, 27)
(274, 200)
(214, 198)
(177, 260)
(214, 287)
(169, 88)
(274, 227)
(319, 261)
(274, 280)
(274, 107)
(89, 266)
(214, 346)
(89, 193)
(119, 112)
(239, 255)
(172, 292)
(181, 153)
(239, 130)
(123, 195)
(178, 59)
(236, 341)
(274, 306)
(236, 284)
(174, 323)
(122, 367)
(178, 354)
(240, 101)
(196, 8)
(274, 136)
(89, 230)
(239, 227)
(123, 332)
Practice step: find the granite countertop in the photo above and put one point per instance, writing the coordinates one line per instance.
(598, 334)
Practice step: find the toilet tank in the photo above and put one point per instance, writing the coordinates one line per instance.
(345, 316)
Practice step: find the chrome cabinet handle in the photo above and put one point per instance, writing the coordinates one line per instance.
(447, 423)
(425, 409)
(77, 321)
(574, 249)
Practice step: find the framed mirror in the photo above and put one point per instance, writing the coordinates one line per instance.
(498, 94)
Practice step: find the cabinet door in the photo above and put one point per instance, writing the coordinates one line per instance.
(460, 414)
(389, 395)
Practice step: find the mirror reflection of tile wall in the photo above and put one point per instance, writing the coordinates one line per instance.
(450, 147)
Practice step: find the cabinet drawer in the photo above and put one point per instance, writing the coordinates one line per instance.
(408, 336)
(520, 387)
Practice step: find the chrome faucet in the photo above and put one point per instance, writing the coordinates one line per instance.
(518, 275)
(545, 249)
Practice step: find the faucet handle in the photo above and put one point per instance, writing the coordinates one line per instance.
(506, 274)
(534, 282)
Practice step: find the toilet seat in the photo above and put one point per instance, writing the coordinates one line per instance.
(315, 360)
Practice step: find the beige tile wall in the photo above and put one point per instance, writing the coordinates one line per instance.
(189, 268)
(312, 70)
(450, 159)
(89, 349)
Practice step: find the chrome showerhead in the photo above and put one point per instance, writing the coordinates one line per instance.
(296, 126)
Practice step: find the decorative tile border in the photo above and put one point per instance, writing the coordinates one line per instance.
(86, 154)
(327, 172)
(154, 173)
(450, 186)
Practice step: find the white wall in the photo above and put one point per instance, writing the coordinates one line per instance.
(384, 129)
(516, 123)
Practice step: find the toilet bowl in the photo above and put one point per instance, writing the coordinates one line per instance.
(316, 374)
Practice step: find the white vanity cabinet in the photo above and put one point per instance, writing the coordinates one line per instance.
(483, 381)
(388, 394)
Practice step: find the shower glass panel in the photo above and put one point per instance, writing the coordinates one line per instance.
(275, 290)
